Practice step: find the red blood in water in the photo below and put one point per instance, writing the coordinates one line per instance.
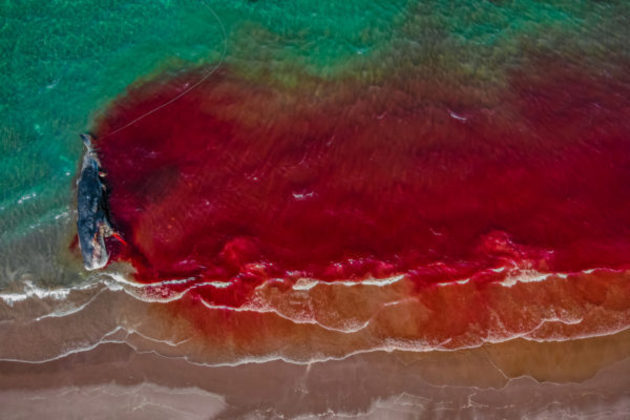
(247, 181)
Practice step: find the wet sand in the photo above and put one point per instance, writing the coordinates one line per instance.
(583, 378)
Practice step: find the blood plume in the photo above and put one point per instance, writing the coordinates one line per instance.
(245, 180)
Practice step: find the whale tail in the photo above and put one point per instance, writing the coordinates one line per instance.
(87, 140)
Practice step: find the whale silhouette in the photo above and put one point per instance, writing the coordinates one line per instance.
(93, 224)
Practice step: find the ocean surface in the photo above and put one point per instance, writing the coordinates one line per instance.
(395, 209)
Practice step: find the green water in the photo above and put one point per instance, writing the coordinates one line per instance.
(62, 61)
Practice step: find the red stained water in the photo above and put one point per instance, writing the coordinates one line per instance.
(247, 181)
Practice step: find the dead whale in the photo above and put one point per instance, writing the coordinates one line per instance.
(93, 224)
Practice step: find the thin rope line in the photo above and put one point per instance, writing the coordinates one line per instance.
(190, 88)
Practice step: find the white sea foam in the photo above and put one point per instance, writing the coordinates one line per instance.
(307, 284)
(32, 291)
(26, 197)
(524, 276)
(117, 283)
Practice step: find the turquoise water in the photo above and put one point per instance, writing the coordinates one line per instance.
(64, 61)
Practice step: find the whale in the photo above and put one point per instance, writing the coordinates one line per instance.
(93, 224)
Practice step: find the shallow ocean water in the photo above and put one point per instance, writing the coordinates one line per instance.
(399, 209)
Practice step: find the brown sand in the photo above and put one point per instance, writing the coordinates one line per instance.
(589, 377)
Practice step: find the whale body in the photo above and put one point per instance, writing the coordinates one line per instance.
(93, 224)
